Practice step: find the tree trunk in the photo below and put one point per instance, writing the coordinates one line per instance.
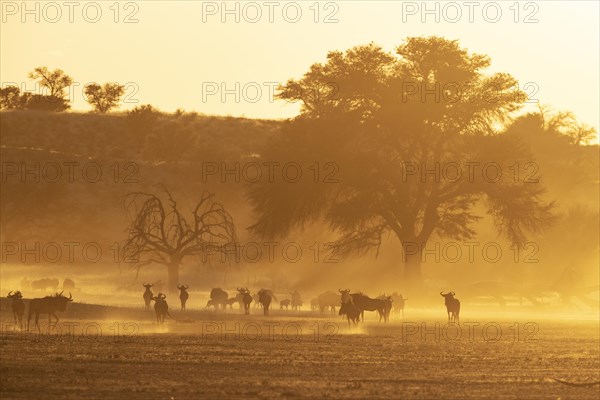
(412, 269)
(412, 264)
(173, 269)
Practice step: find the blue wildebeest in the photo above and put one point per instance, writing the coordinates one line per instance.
(364, 303)
(452, 306)
(314, 304)
(265, 296)
(351, 312)
(398, 303)
(218, 297)
(148, 294)
(231, 301)
(18, 307)
(245, 298)
(47, 305)
(183, 295)
(161, 308)
(68, 284)
(296, 300)
(328, 301)
(284, 303)
(387, 306)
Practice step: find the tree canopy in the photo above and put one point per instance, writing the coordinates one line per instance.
(385, 120)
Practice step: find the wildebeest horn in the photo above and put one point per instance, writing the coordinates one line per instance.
(187, 287)
(441, 293)
(340, 290)
(9, 293)
(60, 294)
(70, 296)
(452, 293)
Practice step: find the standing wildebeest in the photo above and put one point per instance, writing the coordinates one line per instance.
(351, 311)
(43, 284)
(183, 295)
(365, 303)
(398, 303)
(328, 300)
(246, 299)
(47, 305)
(284, 303)
(218, 297)
(161, 308)
(18, 307)
(452, 306)
(256, 300)
(296, 300)
(314, 304)
(68, 284)
(265, 297)
(387, 306)
(148, 294)
(231, 301)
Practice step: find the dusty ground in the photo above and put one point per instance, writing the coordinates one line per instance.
(238, 357)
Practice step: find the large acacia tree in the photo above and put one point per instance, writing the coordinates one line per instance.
(383, 119)
(160, 233)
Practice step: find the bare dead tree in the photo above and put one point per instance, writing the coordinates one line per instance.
(160, 233)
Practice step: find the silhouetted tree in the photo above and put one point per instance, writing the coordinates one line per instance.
(10, 98)
(385, 121)
(161, 234)
(55, 81)
(104, 98)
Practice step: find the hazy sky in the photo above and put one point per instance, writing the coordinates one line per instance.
(178, 54)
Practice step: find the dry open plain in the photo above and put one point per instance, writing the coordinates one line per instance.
(297, 356)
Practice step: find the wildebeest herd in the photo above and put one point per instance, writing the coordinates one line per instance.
(351, 305)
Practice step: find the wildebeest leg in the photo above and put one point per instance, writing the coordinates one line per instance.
(55, 316)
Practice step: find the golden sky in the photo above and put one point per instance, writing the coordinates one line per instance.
(179, 54)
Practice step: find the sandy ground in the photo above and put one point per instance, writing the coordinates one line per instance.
(237, 357)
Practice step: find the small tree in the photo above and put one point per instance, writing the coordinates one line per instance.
(10, 98)
(161, 234)
(104, 98)
(55, 81)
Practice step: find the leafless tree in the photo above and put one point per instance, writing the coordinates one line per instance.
(160, 233)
